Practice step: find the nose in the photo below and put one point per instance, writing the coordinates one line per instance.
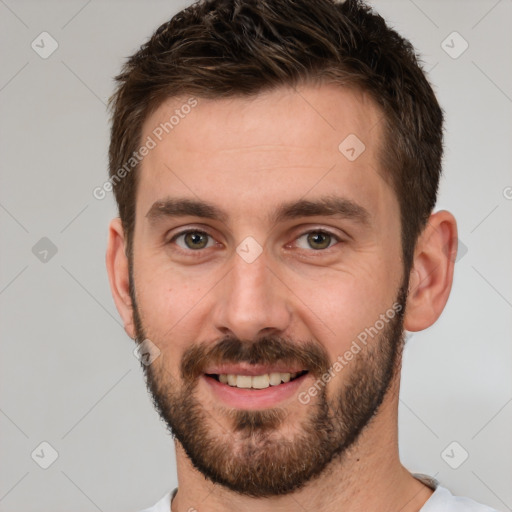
(251, 301)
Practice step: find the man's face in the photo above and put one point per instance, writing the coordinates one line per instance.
(263, 248)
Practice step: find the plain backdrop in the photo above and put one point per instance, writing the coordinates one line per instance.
(68, 374)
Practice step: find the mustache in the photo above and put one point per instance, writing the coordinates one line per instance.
(266, 350)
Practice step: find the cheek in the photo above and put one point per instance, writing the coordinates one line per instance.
(168, 303)
(340, 306)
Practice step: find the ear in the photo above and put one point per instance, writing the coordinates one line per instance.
(118, 274)
(432, 271)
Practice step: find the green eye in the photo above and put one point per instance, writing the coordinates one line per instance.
(316, 240)
(319, 240)
(193, 240)
(196, 240)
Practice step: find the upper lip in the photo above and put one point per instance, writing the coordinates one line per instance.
(252, 369)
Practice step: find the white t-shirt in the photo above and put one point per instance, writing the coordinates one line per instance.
(442, 500)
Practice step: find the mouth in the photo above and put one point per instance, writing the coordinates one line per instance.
(258, 386)
(255, 382)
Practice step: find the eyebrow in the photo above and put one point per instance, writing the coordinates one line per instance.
(324, 206)
(181, 207)
(328, 206)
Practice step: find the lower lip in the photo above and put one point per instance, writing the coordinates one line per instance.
(254, 398)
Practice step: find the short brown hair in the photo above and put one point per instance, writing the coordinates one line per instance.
(227, 48)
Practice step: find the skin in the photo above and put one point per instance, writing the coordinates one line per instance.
(247, 156)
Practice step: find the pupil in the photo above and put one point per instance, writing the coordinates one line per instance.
(319, 240)
(195, 240)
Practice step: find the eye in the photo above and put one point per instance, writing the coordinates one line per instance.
(193, 240)
(317, 240)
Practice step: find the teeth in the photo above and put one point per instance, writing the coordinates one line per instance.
(243, 381)
(256, 381)
(275, 379)
(259, 381)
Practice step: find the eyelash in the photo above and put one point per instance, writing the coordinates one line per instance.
(336, 239)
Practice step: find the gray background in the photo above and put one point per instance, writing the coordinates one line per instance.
(67, 372)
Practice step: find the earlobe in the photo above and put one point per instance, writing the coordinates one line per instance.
(431, 275)
(118, 274)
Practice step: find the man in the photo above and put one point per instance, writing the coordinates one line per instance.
(276, 166)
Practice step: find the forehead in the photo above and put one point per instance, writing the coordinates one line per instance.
(223, 123)
(279, 145)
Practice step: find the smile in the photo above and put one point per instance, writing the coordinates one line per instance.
(262, 381)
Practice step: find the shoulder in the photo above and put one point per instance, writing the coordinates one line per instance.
(444, 501)
(163, 505)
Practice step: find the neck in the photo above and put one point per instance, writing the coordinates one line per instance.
(368, 476)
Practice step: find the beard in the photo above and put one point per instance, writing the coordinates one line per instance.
(253, 456)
